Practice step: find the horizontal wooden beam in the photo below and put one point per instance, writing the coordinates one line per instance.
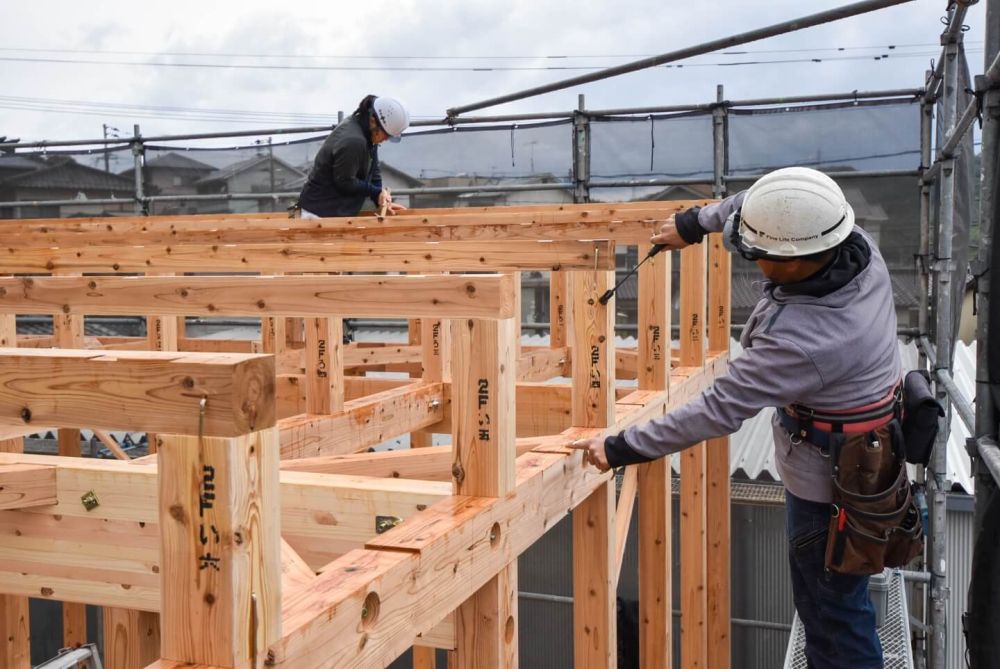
(333, 256)
(464, 296)
(23, 486)
(137, 230)
(541, 364)
(424, 568)
(132, 390)
(431, 463)
(109, 554)
(364, 422)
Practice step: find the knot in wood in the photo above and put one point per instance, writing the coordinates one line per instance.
(26, 415)
(457, 472)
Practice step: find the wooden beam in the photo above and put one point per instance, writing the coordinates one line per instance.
(131, 638)
(623, 516)
(110, 556)
(656, 628)
(15, 625)
(593, 406)
(25, 486)
(718, 506)
(426, 567)
(655, 499)
(694, 549)
(305, 256)
(541, 364)
(219, 526)
(632, 231)
(139, 232)
(654, 323)
(476, 296)
(594, 351)
(134, 390)
(594, 583)
(324, 365)
(15, 650)
(364, 422)
(483, 437)
(559, 301)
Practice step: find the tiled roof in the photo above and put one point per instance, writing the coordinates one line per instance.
(176, 161)
(71, 175)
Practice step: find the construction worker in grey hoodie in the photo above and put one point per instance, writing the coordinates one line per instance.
(823, 336)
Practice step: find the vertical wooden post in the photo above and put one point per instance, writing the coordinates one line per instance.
(273, 338)
(161, 331)
(593, 393)
(435, 342)
(558, 309)
(518, 306)
(67, 332)
(655, 507)
(694, 602)
(15, 630)
(131, 638)
(221, 548)
(717, 473)
(484, 375)
(324, 365)
(593, 405)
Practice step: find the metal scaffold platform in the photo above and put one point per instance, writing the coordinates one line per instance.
(894, 633)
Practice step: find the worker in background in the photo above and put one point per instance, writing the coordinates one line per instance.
(346, 169)
(822, 335)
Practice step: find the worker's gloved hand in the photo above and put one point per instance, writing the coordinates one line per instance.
(668, 237)
(688, 227)
(385, 202)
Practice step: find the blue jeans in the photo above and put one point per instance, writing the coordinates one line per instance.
(835, 609)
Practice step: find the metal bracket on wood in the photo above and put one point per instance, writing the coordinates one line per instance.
(385, 523)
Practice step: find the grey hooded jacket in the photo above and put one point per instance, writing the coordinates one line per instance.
(837, 351)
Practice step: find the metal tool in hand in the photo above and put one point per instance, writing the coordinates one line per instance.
(608, 294)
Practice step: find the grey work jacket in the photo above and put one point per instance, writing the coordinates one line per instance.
(837, 351)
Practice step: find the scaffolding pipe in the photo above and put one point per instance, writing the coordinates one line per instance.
(944, 334)
(707, 47)
(926, 122)
(719, 118)
(117, 144)
(958, 400)
(951, 34)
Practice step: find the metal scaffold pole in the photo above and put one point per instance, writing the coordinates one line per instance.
(981, 622)
(720, 119)
(943, 267)
(581, 152)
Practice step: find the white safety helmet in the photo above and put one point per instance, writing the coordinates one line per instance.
(792, 212)
(391, 115)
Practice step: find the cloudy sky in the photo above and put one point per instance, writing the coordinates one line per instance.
(67, 67)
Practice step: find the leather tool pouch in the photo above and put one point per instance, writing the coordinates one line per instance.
(874, 522)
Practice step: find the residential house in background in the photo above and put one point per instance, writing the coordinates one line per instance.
(392, 178)
(31, 179)
(489, 198)
(261, 174)
(173, 173)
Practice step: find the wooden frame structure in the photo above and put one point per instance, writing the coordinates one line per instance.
(261, 533)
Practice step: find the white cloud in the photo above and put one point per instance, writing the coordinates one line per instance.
(537, 28)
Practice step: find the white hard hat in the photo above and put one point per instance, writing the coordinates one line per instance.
(791, 212)
(391, 115)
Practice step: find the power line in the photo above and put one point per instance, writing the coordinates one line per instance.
(396, 68)
(890, 47)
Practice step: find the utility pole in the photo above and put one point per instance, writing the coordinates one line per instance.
(108, 130)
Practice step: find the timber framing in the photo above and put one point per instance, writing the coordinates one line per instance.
(262, 533)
